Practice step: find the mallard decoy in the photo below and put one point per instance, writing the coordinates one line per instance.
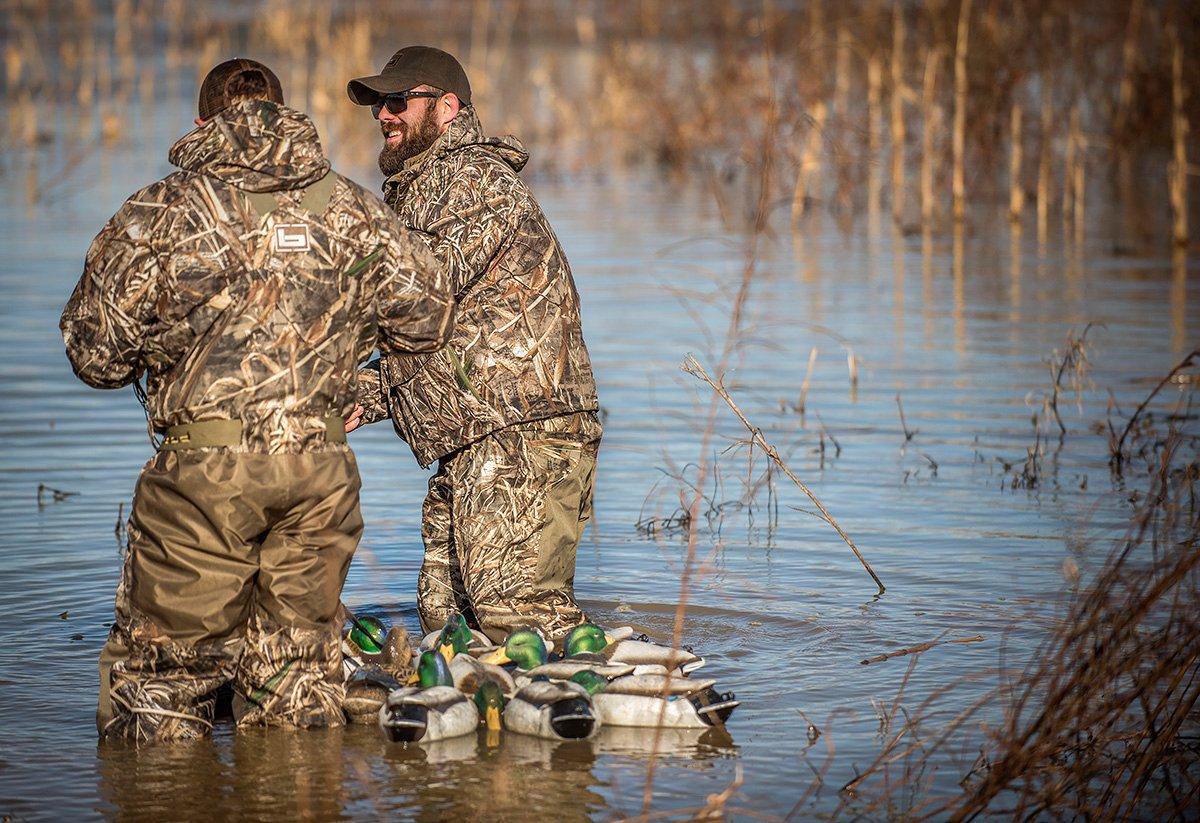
(453, 643)
(456, 637)
(589, 642)
(657, 700)
(470, 674)
(432, 710)
(555, 711)
(369, 643)
(367, 689)
(526, 649)
(489, 701)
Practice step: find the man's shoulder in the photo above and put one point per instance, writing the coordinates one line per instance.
(162, 194)
(478, 169)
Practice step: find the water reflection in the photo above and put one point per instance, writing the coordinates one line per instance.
(695, 744)
(187, 781)
(1178, 301)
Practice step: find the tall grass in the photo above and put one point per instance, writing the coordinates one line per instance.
(687, 86)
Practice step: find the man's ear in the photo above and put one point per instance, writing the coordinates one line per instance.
(448, 108)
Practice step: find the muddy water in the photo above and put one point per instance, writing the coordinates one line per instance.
(778, 605)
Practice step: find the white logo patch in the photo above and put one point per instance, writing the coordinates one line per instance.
(292, 237)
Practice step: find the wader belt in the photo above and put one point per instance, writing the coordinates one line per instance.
(211, 433)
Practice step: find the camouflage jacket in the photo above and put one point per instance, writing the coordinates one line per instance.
(516, 353)
(241, 294)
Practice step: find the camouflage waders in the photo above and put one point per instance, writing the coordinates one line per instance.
(235, 568)
(502, 522)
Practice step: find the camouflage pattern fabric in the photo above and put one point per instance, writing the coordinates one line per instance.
(502, 523)
(234, 573)
(290, 676)
(238, 312)
(249, 285)
(516, 353)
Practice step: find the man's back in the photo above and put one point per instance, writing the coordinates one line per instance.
(250, 285)
(246, 287)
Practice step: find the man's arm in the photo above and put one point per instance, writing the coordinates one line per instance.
(414, 304)
(104, 322)
(414, 312)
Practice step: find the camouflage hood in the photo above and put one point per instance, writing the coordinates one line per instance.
(256, 146)
(465, 131)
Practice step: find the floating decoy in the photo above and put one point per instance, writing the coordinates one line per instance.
(431, 710)
(556, 711)
(589, 642)
(657, 700)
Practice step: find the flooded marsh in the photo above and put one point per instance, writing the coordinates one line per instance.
(950, 390)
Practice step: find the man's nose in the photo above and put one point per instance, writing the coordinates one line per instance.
(385, 116)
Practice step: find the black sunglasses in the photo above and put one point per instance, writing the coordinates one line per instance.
(396, 102)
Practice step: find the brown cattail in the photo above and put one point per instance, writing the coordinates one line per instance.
(960, 109)
(899, 90)
(1044, 150)
(1077, 177)
(1068, 173)
(874, 113)
(810, 163)
(1129, 56)
(932, 115)
(1016, 186)
(1178, 173)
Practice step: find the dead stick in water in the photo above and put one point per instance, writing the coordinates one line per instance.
(692, 366)
(908, 434)
(920, 647)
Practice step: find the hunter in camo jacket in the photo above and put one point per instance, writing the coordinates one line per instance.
(508, 407)
(247, 288)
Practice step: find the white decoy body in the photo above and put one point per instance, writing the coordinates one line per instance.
(556, 711)
(647, 701)
(437, 713)
(565, 669)
(646, 653)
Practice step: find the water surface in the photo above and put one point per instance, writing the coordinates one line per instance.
(778, 605)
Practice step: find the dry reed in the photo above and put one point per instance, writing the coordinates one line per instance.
(689, 88)
(1103, 724)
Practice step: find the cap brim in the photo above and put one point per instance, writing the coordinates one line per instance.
(366, 91)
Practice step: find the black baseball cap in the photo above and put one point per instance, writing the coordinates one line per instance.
(236, 79)
(409, 67)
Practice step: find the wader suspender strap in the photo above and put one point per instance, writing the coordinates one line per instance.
(315, 199)
(210, 433)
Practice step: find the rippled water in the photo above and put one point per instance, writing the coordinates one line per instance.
(782, 610)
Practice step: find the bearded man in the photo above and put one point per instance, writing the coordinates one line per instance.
(507, 409)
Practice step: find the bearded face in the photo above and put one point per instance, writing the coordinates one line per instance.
(402, 140)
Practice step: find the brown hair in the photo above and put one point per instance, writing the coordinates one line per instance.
(234, 81)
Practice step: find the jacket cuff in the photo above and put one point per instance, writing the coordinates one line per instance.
(371, 395)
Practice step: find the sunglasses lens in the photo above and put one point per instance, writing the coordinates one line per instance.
(395, 103)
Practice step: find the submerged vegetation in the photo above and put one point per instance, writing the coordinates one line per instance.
(1104, 722)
